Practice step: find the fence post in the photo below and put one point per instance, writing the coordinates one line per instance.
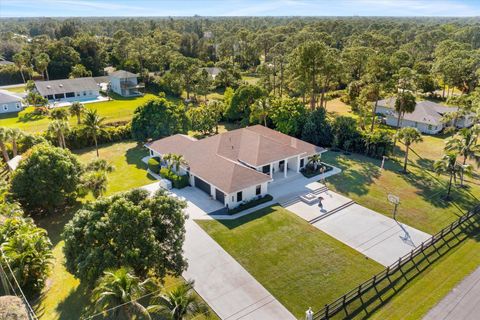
(326, 311)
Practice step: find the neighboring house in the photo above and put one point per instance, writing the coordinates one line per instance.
(79, 89)
(427, 117)
(10, 102)
(13, 163)
(124, 83)
(213, 72)
(237, 166)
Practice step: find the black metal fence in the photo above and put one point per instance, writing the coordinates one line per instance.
(372, 294)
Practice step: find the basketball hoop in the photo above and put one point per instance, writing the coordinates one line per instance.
(395, 200)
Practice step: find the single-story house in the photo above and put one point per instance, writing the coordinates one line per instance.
(4, 63)
(427, 117)
(237, 166)
(79, 89)
(124, 83)
(10, 102)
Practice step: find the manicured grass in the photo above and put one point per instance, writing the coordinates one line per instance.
(299, 264)
(114, 110)
(251, 79)
(420, 191)
(64, 297)
(336, 107)
(425, 291)
(130, 172)
(19, 89)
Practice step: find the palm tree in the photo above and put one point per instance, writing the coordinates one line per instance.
(465, 144)
(15, 134)
(58, 128)
(448, 164)
(260, 110)
(77, 109)
(408, 136)
(96, 182)
(4, 138)
(100, 165)
(315, 160)
(177, 161)
(178, 304)
(405, 103)
(94, 125)
(41, 62)
(119, 289)
(21, 59)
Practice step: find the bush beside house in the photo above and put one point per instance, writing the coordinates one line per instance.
(250, 204)
(178, 181)
(154, 164)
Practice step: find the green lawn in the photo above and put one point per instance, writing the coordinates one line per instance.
(120, 109)
(64, 297)
(299, 264)
(19, 89)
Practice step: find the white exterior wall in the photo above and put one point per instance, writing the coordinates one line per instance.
(13, 106)
(116, 87)
(422, 127)
(384, 110)
(79, 96)
(465, 122)
(247, 195)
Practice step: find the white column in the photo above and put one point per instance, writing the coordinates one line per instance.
(271, 170)
(285, 168)
(298, 164)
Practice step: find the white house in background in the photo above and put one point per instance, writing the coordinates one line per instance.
(10, 102)
(427, 117)
(68, 90)
(213, 72)
(124, 83)
(237, 166)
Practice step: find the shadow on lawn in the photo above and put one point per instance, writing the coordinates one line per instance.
(74, 305)
(30, 117)
(232, 224)
(355, 179)
(55, 222)
(135, 154)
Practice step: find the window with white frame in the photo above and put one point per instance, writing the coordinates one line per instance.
(5, 107)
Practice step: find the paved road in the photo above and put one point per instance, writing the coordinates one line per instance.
(221, 281)
(463, 302)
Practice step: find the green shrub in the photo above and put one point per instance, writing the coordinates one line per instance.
(178, 181)
(154, 164)
(250, 204)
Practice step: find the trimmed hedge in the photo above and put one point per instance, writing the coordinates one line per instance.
(308, 171)
(250, 204)
(178, 181)
(154, 164)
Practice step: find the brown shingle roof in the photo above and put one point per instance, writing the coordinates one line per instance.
(222, 160)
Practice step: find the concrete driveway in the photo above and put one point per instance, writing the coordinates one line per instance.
(373, 234)
(220, 280)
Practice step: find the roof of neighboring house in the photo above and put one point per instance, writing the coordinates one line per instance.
(65, 85)
(101, 79)
(223, 160)
(122, 74)
(7, 97)
(425, 111)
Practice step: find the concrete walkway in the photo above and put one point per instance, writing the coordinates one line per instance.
(463, 302)
(219, 279)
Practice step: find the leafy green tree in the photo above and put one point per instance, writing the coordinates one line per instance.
(448, 164)
(46, 179)
(79, 71)
(464, 143)
(242, 100)
(77, 109)
(94, 125)
(203, 84)
(119, 290)
(317, 128)
(260, 111)
(178, 304)
(344, 129)
(288, 116)
(28, 251)
(186, 69)
(100, 165)
(59, 128)
(36, 100)
(95, 182)
(135, 230)
(41, 63)
(158, 118)
(408, 136)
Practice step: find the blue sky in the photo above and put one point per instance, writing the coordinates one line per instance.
(56, 8)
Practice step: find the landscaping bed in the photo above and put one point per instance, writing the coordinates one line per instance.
(309, 172)
(250, 204)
